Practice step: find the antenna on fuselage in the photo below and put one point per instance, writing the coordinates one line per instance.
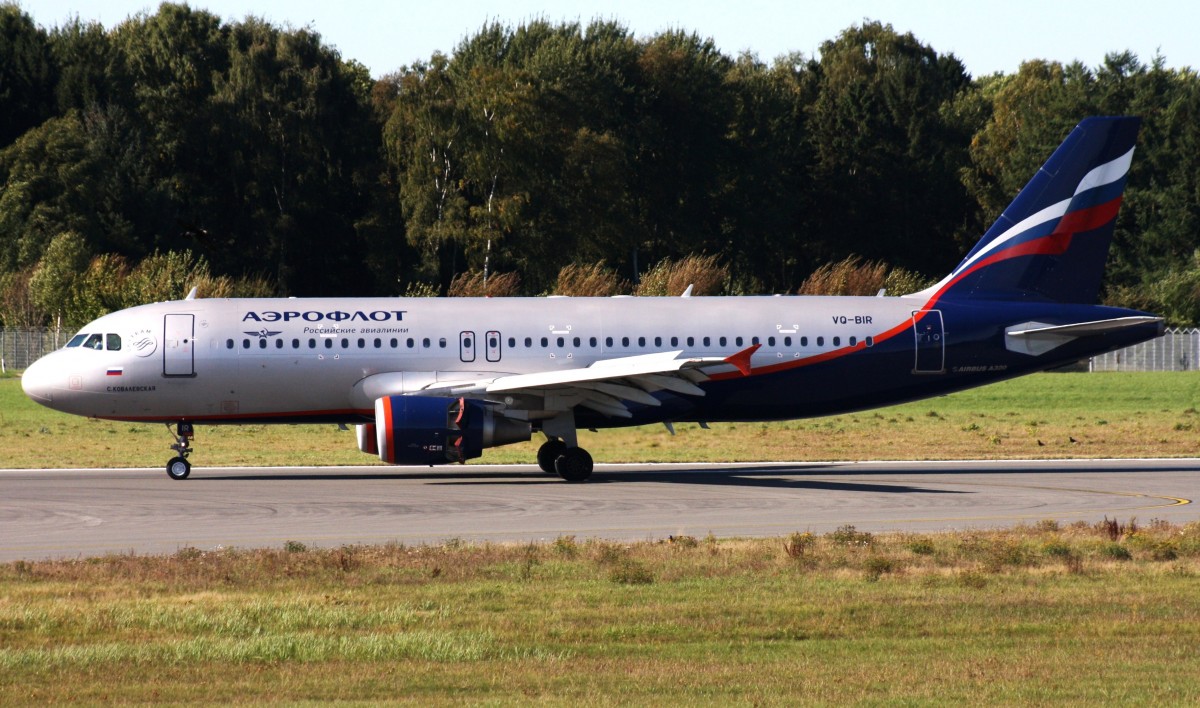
(192, 293)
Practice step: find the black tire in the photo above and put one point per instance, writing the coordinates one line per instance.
(548, 453)
(574, 464)
(179, 468)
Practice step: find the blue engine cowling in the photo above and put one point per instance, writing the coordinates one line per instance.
(425, 430)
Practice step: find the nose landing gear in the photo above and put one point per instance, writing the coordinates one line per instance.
(179, 467)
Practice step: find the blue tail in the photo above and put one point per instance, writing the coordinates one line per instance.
(1052, 242)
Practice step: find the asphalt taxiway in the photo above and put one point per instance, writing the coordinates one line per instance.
(80, 513)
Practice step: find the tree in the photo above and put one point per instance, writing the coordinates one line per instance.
(26, 74)
(887, 159)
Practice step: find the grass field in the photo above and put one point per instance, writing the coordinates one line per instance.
(1033, 615)
(1041, 614)
(1044, 415)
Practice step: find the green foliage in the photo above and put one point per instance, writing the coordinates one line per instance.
(537, 149)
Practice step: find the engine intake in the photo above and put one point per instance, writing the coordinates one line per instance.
(425, 430)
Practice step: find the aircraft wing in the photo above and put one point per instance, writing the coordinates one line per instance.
(607, 385)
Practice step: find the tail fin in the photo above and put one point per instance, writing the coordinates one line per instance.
(1052, 242)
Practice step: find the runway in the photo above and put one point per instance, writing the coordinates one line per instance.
(82, 513)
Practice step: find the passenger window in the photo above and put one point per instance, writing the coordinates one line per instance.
(312, 344)
(512, 342)
(279, 344)
(545, 342)
(328, 343)
(94, 342)
(345, 344)
(707, 341)
(114, 342)
(770, 341)
(837, 341)
(787, 341)
(691, 341)
(658, 341)
(738, 341)
(754, 340)
(378, 342)
(410, 343)
(528, 342)
(674, 341)
(592, 342)
(608, 342)
(262, 344)
(295, 344)
(442, 343)
(228, 344)
(853, 341)
(820, 341)
(625, 341)
(425, 342)
(804, 341)
(363, 343)
(576, 340)
(561, 342)
(245, 344)
(721, 341)
(641, 341)
(393, 342)
(870, 341)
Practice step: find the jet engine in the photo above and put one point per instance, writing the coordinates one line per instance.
(426, 430)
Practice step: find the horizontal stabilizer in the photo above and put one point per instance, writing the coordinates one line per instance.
(1035, 338)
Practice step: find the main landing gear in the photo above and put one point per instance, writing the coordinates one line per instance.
(573, 464)
(179, 467)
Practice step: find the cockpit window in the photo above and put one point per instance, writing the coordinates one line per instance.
(94, 341)
(77, 339)
(114, 342)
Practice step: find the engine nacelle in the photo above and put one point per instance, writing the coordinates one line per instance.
(367, 441)
(426, 430)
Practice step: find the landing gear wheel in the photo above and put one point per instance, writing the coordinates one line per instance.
(574, 464)
(548, 453)
(179, 468)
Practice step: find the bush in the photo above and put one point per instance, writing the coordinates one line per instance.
(630, 572)
(671, 278)
(849, 536)
(471, 284)
(294, 547)
(1115, 551)
(798, 544)
(921, 547)
(876, 566)
(590, 281)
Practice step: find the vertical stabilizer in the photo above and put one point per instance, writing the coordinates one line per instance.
(1051, 243)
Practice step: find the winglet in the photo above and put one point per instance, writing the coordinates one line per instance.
(741, 360)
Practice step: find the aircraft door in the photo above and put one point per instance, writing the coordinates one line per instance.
(179, 345)
(492, 353)
(930, 342)
(466, 346)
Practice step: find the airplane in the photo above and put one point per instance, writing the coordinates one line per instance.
(429, 381)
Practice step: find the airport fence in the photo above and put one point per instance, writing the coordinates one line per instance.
(21, 347)
(1175, 350)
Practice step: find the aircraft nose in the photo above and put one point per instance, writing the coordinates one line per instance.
(37, 381)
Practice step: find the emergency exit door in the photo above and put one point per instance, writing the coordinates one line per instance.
(930, 336)
(179, 345)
